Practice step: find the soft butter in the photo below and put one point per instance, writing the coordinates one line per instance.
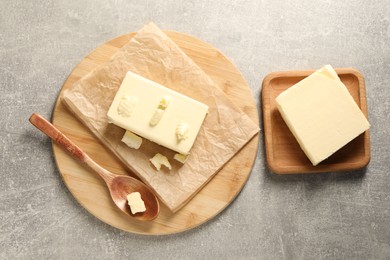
(321, 114)
(157, 113)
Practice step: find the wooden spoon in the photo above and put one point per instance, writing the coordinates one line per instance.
(119, 185)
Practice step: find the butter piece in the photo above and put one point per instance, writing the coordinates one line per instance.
(132, 140)
(159, 160)
(321, 114)
(180, 157)
(182, 131)
(164, 102)
(150, 95)
(126, 105)
(135, 202)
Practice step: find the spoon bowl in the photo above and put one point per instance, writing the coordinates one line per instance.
(119, 185)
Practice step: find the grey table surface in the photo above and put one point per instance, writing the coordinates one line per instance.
(321, 216)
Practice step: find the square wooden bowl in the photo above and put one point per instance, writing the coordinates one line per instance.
(283, 153)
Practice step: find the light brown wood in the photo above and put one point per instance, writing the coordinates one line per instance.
(119, 185)
(89, 190)
(283, 153)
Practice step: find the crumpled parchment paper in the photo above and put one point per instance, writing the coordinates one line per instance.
(152, 54)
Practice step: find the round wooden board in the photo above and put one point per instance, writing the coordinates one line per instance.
(90, 191)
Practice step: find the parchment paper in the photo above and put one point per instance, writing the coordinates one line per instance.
(152, 54)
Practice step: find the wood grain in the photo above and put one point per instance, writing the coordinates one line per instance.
(89, 190)
(283, 153)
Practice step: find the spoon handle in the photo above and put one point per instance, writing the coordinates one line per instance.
(56, 135)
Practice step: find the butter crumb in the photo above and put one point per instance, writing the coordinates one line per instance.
(164, 102)
(159, 160)
(156, 117)
(127, 105)
(182, 131)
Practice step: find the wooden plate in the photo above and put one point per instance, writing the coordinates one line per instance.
(91, 192)
(283, 153)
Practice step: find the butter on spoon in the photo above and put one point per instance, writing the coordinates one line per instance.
(119, 185)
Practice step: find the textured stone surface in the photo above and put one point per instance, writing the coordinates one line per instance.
(324, 216)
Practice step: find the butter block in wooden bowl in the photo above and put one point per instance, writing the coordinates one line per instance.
(284, 155)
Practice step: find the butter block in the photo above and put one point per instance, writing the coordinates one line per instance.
(135, 202)
(156, 113)
(321, 114)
